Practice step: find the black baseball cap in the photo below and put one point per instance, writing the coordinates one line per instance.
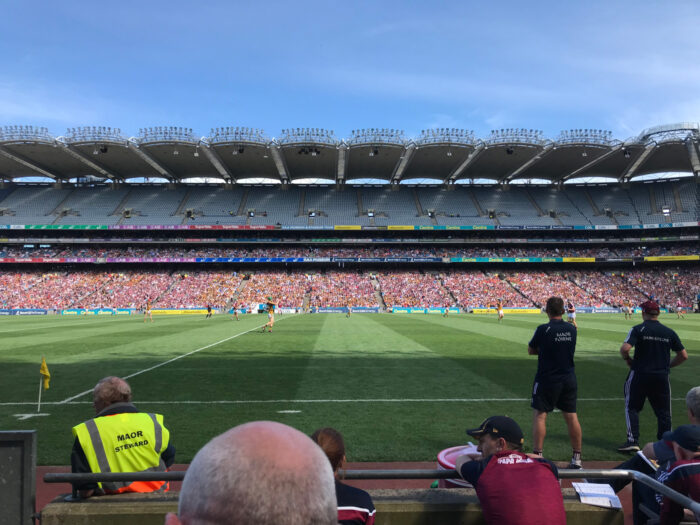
(499, 427)
(687, 436)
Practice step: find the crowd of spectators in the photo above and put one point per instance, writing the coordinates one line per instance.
(483, 290)
(666, 286)
(338, 289)
(197, 289)
(413, 289)
(468, 288)
(287, 289)
(456, 250)
(130, 290)
(539, 286)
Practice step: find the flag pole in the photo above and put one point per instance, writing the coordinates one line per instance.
(38, 406)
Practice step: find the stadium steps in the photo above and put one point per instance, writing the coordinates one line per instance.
(57, 209)
(634, 207)
(120, 207)
(594, 207)
(512, 285)
(242, 206)
(85, 297)
(172, 284)
(234, 298)
(532, 200)
(419, 207)
(302, 202)
(475, 201)
(652, 200)
(378, 296)
(573, 203)
(578, 285)
(183, 203)
(677, 199)
(360, 208)
(441, 278)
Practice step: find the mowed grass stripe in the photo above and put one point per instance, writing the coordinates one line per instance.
(362, 360)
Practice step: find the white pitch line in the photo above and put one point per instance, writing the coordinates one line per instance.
(69, 399)
(272, 401)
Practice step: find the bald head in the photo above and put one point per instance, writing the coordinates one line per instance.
(110, 390)
(259, 473)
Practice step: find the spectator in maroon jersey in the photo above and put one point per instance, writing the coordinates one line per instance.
(513, 487)
(355, 506)
(684, 475)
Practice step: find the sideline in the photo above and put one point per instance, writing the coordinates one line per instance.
(69, 399)
(271, 401)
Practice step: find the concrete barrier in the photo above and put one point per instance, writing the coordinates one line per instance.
(394, 507)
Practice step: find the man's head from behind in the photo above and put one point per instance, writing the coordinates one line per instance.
(692, 402)
(108, 391)
(260, 473)
(554, 307)
(650, 310)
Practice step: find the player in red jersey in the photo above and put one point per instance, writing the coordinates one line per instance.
(571, 313)
(679, 309)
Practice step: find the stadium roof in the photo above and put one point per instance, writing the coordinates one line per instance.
(447, 154)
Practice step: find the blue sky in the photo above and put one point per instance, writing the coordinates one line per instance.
(616, 65)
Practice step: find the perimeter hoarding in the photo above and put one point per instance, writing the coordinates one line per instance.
(506, 311)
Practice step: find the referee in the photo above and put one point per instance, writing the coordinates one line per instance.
(555, 385)
(649, 373)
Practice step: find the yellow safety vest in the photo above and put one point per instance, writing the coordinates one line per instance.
(126, 442)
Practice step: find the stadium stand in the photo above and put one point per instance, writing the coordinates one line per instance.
(511, 206)
(340, 289)
(214, 204)
(413, 289)
(286, 289)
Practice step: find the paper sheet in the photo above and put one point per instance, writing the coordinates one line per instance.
(598, 494)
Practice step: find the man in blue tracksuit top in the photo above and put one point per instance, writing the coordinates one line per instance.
(555, 385)
(649, 373)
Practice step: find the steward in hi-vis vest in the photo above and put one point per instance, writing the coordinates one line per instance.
(121, 439)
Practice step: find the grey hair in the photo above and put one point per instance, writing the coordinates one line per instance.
(229, 483)
(110, 390)
(692, 401)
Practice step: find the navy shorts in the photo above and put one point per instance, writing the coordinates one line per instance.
(562, 395)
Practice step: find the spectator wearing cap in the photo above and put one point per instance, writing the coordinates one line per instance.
(648, 377)
(684, 475)
(513, 487)
(655, 460)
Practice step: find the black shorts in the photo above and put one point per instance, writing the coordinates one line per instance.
(548, 396)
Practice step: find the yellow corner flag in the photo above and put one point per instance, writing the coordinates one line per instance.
(44, 371)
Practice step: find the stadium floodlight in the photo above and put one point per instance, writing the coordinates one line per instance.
(168, 134)
(446, 135)
(94, 134)
(378, 136)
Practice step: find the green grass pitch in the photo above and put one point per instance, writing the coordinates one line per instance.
(399, 387)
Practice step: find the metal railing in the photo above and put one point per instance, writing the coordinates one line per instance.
(53, 477)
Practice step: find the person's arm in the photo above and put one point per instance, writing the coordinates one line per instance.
(168, 455)
(533, 347)
(470, 468)
(680, 358)
(625, 353)
(79, 465)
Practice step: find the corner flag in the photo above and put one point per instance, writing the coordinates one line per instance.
(44, 371)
